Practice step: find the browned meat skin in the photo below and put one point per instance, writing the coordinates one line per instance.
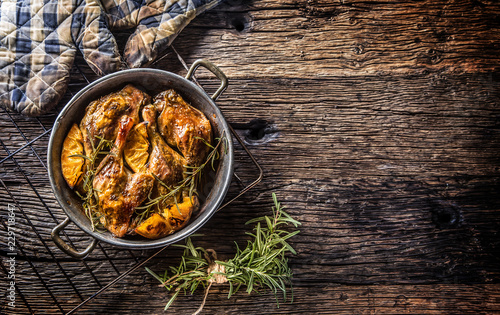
(120, 192)
(164, 162)
(180, 124)
(103, 116)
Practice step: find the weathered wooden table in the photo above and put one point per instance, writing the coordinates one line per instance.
(377, 124)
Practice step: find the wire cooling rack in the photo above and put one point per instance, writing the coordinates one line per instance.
(29, 211)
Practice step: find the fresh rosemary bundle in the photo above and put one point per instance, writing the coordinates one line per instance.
(262, 263)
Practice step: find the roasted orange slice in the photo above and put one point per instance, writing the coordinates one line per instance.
(154, 227)
(173, 218)
(72, 165)
(179, 214)
(136, 147)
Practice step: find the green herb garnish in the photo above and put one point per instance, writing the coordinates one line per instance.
(262, 263)
(90, 198)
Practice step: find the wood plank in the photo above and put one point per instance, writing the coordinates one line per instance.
(314, 39)
(338, 299)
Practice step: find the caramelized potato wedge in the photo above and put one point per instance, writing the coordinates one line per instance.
(72, 165)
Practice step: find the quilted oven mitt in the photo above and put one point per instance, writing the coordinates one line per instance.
(39, 38)
(157, 24)
(38, 42)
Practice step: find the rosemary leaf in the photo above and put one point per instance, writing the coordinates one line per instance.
(151, 272)
(172, 299)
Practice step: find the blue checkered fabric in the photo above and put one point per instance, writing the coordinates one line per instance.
(39, 40)
(157, 24)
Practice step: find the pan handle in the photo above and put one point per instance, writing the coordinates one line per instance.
(212, 68)
(67, 248)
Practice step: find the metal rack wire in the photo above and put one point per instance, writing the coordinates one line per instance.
(25, 193)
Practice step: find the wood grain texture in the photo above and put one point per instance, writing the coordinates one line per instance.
(314, 39)
(376, 123)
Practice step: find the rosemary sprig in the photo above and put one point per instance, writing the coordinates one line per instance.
(90, 198)
(193, 176)
(262, 263)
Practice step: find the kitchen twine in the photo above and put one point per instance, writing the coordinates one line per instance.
(216, 271)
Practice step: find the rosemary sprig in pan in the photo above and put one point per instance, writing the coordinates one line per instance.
(193, 176)
(262, 263)
(90, 198)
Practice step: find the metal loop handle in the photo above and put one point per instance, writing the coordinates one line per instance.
(212, 68)
(67, 248)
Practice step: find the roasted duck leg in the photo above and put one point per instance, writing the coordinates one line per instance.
(164, 162)
(119, 191)
(183, 126)
(102, 117)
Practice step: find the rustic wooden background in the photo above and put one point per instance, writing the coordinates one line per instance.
(377, 124)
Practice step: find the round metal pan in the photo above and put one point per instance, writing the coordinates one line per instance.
(152, 81)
